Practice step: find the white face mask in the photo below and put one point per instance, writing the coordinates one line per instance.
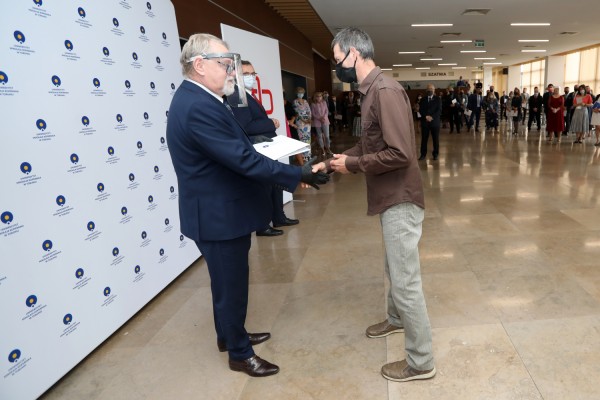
(300, 95)
(249, 81)
(582, 91)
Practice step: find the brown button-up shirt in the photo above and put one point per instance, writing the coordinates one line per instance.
(386, 152)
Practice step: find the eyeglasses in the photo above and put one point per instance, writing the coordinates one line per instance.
(228, 67)
(250, 74)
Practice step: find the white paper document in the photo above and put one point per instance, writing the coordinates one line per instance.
(280, 147)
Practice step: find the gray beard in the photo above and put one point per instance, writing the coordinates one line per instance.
(228, 87)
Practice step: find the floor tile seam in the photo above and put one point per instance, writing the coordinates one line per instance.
(510, 339)
(554, 318)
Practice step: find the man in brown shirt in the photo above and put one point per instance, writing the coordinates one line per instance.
(386, 154)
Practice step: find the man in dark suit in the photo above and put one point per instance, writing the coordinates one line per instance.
(223, 190)
(503, 104)
(474, 104)
(569, 96)
(535, 108)
(549, 91)
(260, 128)
(430, 108)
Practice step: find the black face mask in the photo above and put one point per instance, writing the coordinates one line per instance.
(345, 74)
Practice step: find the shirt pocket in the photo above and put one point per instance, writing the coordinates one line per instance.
(373, 138)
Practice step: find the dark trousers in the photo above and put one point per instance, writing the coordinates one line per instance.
(426, 129)
(455, 120)
(227, 262)
(534, 115)
(568, 121)
(278, 216)
(475, 115)
(491, 119)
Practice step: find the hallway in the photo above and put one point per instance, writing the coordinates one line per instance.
(510, 262)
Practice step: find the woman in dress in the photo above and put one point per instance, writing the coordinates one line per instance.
(580, 121)
(320, 121)
(516, 104)
(303, 118)
(556, 119)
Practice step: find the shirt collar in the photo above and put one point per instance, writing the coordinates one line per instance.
(216, 96)
(365, 85)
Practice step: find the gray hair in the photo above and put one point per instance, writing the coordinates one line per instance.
(197, 44)
(357, 38)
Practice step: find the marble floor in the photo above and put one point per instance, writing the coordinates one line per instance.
(510, 258)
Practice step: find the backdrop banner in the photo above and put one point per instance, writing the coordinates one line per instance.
(89, 229)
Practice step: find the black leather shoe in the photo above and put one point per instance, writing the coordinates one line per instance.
(255, 338)
(421, 158)
(286, 222)
(270, 232)
(254, 366)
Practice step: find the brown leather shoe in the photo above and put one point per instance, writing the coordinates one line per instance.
(255, 338)
(254, 366)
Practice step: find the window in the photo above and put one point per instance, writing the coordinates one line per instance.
(532, 75)
(583, 67)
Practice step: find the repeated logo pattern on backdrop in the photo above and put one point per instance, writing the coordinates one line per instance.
(88, 211)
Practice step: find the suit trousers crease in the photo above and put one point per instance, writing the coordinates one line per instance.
(402, 227)
(426, 129)
(227, 262)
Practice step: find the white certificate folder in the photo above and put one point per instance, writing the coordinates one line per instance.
(280, 147)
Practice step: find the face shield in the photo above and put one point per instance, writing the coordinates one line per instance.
(234, 82)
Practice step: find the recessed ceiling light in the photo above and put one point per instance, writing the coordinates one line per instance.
(456, 41)
(533, 51)
(459, 67)
(422, 68)
(447, 64)
(411, 52)
(425, 25)
(492, 63)
(473, 51)
(431, 59)
(402, 65)
(484, 58)
(533, 40)
(386, 69)
(530, 24)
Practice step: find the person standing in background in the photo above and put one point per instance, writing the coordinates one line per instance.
(431, 110)
(535, 108)
(568, 96)
(303, 120)
(320, 122)
(516, 106)
(580, 123)
(525, 102)
(556, 119)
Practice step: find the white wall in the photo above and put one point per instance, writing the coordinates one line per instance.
(514, 77)
(555, 71)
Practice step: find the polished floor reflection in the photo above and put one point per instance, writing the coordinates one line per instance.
(510, 262)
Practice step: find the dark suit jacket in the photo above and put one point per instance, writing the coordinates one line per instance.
(535, 103)
(253, 118)
(545, 101)
(224, 184)
(472, 101)
(432, 108)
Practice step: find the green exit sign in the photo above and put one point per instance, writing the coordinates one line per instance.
(479, 43)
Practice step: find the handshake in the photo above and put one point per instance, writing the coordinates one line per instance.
(315, 175)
